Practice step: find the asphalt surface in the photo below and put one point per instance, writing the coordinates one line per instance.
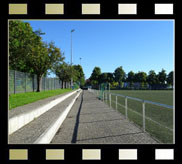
(91, 121)
(30, 132)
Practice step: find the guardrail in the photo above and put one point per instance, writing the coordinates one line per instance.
(112, 100)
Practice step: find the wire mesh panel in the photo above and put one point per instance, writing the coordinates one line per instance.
(43, 84)
(11, 81)
(29, 82)
(47, 84)
(35, 82)
(25, 82)
(50, 84)
(20, 82)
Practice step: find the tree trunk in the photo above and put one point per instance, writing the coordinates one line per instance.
(38, 82)
(119, 85)
(62, 84)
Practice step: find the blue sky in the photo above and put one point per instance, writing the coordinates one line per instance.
(135, 45)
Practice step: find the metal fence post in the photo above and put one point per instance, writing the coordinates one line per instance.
(25, 81)
(143, 107)
(33, 83)
(48, 82)
(110, 100)
(54, 83)
(126, 108)
(103, 96)
(14, 82)
(116, 102)
(106, 98)
(51, 83)
(44, 84)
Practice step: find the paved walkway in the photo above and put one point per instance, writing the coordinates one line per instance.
(92, 122)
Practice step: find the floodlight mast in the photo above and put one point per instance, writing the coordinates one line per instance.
(71, 57)
(80, 60)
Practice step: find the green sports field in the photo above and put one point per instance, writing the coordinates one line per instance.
(158, 120)
(160, 96)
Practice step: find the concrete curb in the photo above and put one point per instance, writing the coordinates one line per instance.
(50, 132)
(20, 120)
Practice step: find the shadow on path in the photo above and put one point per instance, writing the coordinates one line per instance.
(75, 133)
(111, 136)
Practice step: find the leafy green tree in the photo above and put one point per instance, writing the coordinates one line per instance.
(162, 76)
(43, 58)
(21, 42)
(131, 78)
(64, 72)
(119, 75)
(79, 75)
(95, 76)
(28, 53)
(152, 78)
(170, 78)
(140, 77)
(106, 77)
(110, 77)
(103, 78)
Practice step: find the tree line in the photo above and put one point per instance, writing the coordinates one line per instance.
(29, 53)
(119, 77)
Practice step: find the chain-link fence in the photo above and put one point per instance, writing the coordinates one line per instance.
(24, 82)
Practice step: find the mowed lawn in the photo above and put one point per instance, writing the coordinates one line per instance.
(20, 99)
(159, 120)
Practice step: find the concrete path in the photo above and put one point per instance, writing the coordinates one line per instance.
(92, 122)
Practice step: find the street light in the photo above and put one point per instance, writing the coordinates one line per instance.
(71, 56)
(80, 60)
(71, 44)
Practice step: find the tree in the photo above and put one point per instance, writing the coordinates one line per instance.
(95, 76)
(170, 78)
(152, 78)
(103, 78)
(64, 72)
(131, 78)
(79, 75)
(162, 76)
(21, 41)
(140, 77)
(106, 77)
(110, 77)
(43, 58)
(119, 75)
(28, 53)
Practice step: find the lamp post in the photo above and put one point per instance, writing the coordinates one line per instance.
(71, 57)
(80, 60)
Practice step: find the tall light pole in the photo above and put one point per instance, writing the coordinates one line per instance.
(71, 57)
(80, 60)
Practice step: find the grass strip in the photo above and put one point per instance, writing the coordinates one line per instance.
(20, 99)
